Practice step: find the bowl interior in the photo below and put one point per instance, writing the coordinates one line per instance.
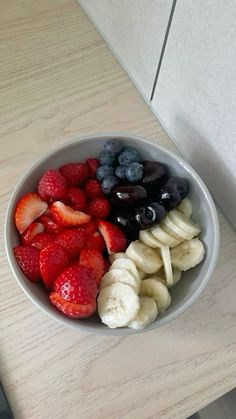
(194, 280)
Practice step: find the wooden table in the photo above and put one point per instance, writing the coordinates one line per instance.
(58, 78)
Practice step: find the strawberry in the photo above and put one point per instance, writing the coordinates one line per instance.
(77, 199)
(89, 228)
(76, 284)
(28, 260)
(114, 238)
(92, 166)
(76, 311)
(106, 265)
(31, 232)
(52, 260)
(52, 186)
(72, 239)
(42, 240)
(74, 173)
(65, 215)
(50, 226)
(30, 207)
(95, 241)
(99, 208)
(93, 260)
(93, 189)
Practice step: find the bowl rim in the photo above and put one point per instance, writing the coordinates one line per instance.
(96, 329)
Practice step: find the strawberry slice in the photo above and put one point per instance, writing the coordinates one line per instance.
(96, 241)
(28, 260)
(93, 260)
(106, 264)
(114, 238)
(42, 240)
(76, 311)
(52, 260)
(50, 225)
(89, 228)
(65, 215)
(30, 207)
(31, 232)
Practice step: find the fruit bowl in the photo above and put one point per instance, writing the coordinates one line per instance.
(195, 280)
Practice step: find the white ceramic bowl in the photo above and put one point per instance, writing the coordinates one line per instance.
(186, 291)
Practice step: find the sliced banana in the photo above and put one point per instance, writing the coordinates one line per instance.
(147, 238)
(118, 305)
(115, 256)
(142, 274)
(147, 313)
(176, 229)
(120, 275)
(165, 238)
(153, 287)
(145, 258)
(186, 207)
(126, 263)
(172, 234)
(165, 255)
(187, 254)
(184, 223)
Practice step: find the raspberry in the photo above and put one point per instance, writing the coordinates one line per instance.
(52, 186)
(99, 208)
(77, 198)
(93, 189)
(74, 173)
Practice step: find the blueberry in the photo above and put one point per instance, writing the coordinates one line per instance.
(106, 157)
(128, 155)
(109, 183)
(134, 172)
(120, 172)
(114, 146)
(104, 171)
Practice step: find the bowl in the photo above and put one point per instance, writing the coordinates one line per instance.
(195, 280)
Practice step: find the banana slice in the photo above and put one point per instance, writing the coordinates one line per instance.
(184, 223)
(125, 263)
(142, 274)
(176, 229)
(147, 313)
(165, 255)
(187, 254)
(172, 234)
(153, 287)
(186, 207)
(115, 256)
(118, 305)
(165, 238)
(120, 275)
(147, 238)
(144, 257)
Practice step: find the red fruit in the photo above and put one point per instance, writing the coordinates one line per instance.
(42, 240)
(52, 260)
(93, 260)
(65, 215)
(92, 166)
(72, 239)
(99, 208)
(77, 199)
(50, 225)
(76, 284)
(74, 173)
(76, 311)
(95, 241)
(30, 207)
(93, 189)
(114, 238)
(52, 186)
(89, 228)
(28, 260)
(31, 232)
(106, 265)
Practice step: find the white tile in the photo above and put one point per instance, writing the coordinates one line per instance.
(195, 97)
(135, 29)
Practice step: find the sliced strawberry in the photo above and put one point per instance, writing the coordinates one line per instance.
(114, 238)
(50, 225)
(76, 284)
(42, 240)
(93, 189)
(74, 173)
(65, 215)
(31, 232)
(72, 239)
(77, 198)
(53, 259)
(52, 186)
(99, 208)
(28, 260)
(106, 264)
(92, 166)
(95, 241)
(89, 228)
(76, 311)
(93, 260)
(30, 207)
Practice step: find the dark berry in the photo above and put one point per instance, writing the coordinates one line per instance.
(106, 157)
(122, 219)
(128, 155)
(109, 183)
(129, 195)
(104, 171)
(134, 172)
(169, 197)
(114, 146)
(180, 184)
(120, 172)
(149, 215)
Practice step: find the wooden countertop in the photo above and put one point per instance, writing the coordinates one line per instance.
(58, 78)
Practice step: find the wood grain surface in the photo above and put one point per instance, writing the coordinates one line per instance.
(57, 79)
